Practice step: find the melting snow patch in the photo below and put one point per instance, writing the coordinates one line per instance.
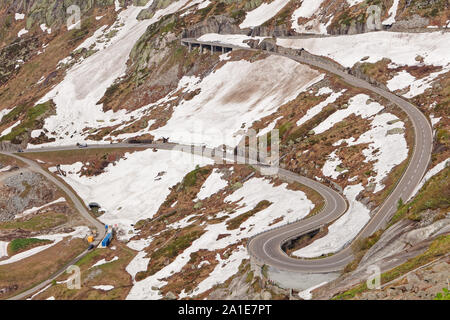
(309, 9)
(45, 29)
(357, 105)
(4, 169)
(85, 83)
(22, 32)
(402, 48)
(223, 271)
(392, 13)
(354, 2)
(330, 168)
(232, 39)
(387, 146)
(4, 112)
(400, 81)
(138, 264)
(306, 294)
(8, 130)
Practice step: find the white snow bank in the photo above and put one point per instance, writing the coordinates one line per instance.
(19, 16)
(263, 13)
(44, 28)
(343, 230)
(329, 168)
(309, 9)
(223, 271)
(387, 148)
(212, 185)
(4, 169)
(22, 32)
(3, 249)
(40, 291)
(354, 2)
(138, 264)
(419, 86)
(4, 112)
(306, 294)
(357, 105)
(432, 172)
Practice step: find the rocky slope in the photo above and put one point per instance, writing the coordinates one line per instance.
(125, 75)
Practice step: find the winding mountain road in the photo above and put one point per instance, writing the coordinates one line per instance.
(35, 167)
(266, 247)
